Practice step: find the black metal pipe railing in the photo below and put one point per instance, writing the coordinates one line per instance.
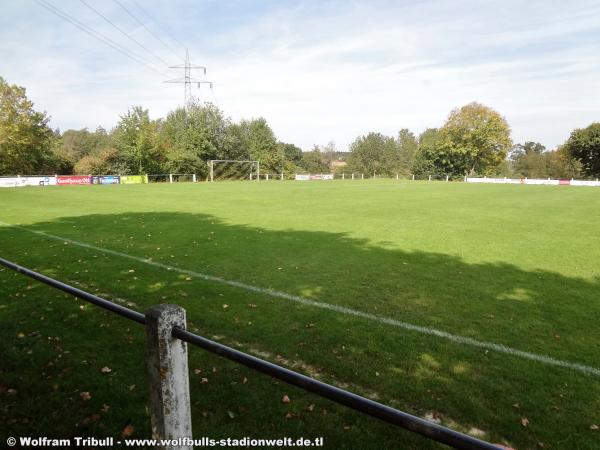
(98, 301)
(364, 405)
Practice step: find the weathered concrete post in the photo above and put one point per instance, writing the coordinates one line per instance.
(168, 374)
(170, 178)
(193, 178)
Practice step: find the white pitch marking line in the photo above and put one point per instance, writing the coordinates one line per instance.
(545, 359)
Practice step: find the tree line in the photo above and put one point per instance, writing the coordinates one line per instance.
(182, 142)
(474, 140)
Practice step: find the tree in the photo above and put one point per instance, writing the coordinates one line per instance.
(406, 145)
(26, 140)
(290, 152)
(106, 161)
(314, 162)
(261, 144)
(75, 144)
(475, 139)
(135, 137)
(372, 154)
(584, 146)
(528, 160)
(429, 158)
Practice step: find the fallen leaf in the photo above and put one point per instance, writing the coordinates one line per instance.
(225, 306)
(252, 305)
(524, 421)
(231, 414)
(245, 380)
(20, 335)
(285, 399)
(204, 380)
(594, 426)
(131, 387)
(289, 415)
(85, 396)
(197, 371)
(311, 407)
(106, 369)
(128, 431)
(131, 270)
(105, 408)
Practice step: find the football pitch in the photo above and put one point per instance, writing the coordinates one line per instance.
(476, 306)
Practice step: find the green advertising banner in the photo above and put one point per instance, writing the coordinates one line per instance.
(134, 179)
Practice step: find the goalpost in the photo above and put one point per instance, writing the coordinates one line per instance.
(230, 169)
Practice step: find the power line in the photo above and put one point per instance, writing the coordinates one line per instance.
(150, 17)
(134, 17)
(142, 46)
(95, 34)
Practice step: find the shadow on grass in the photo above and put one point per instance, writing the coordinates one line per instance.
(536, 311)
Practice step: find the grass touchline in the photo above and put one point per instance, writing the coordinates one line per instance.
(545, 359)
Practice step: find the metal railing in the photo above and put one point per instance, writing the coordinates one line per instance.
(364, 405)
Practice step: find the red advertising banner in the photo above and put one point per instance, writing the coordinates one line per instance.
(73, 179)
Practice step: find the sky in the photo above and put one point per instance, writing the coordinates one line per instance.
(318, 71)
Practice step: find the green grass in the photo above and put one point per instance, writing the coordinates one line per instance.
(512, 265)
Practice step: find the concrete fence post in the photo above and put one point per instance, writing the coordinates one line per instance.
(413, 177)
(353, 175)
(362, 176)
(170, 178)
(193, 178)
(429, 177)
(168, 375)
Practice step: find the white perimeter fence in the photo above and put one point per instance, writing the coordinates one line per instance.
(543, 181)
(51, 180)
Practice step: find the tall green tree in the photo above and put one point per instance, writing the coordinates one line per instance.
(135, 136)
(198, 133)
(26, 141)
(406, 149)
(430, 157)
(475, 139)
(373, 154)
(584, 146)
(258, 138)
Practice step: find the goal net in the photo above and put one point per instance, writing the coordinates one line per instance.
(225, 169)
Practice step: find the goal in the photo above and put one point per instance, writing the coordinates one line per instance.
(228, 169)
